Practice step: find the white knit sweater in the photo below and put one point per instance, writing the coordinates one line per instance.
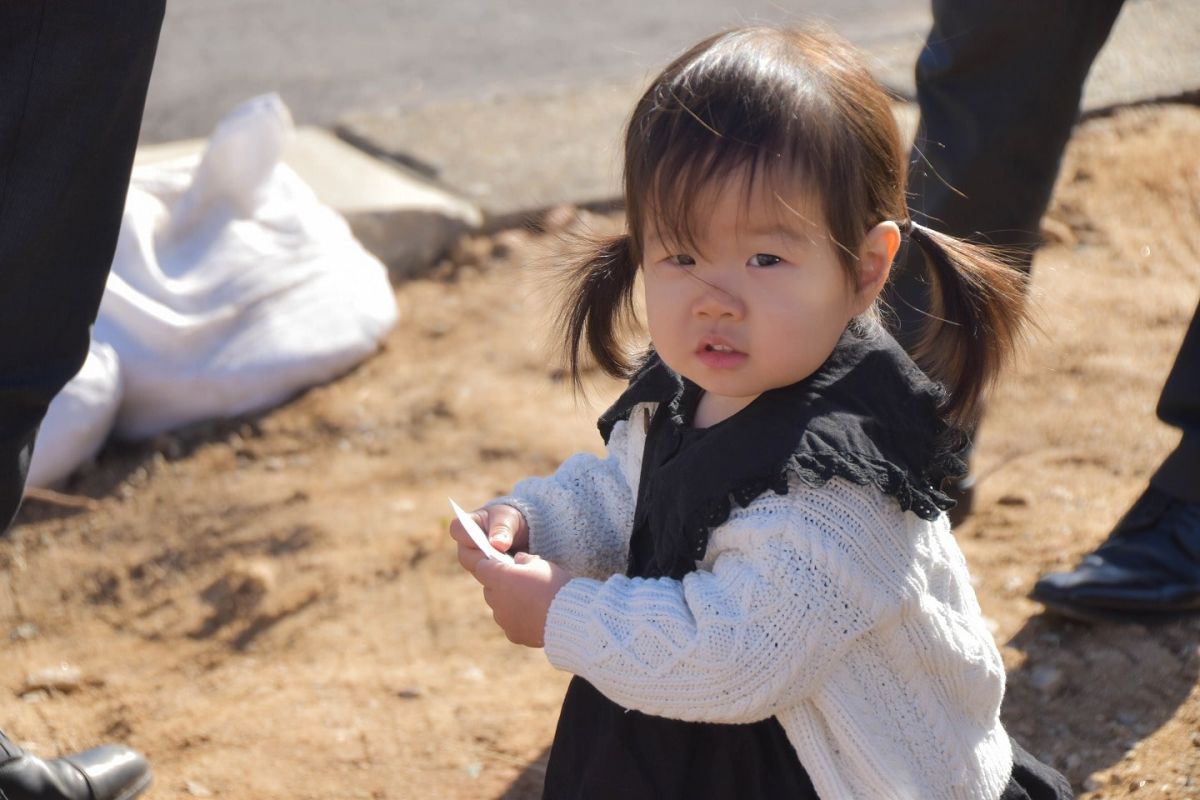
(850, 621)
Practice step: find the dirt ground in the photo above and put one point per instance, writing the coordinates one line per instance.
(270, 607)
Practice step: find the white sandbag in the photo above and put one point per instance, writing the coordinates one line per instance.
(233, 287)
(79, 419)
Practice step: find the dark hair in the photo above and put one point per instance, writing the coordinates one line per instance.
(799, 110)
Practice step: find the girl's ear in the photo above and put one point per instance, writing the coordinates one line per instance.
(875, 262)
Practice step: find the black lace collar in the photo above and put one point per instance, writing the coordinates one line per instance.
(868, 415)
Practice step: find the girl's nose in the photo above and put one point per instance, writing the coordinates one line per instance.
(716, 301)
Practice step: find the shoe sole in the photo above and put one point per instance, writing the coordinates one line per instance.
(1098, 614)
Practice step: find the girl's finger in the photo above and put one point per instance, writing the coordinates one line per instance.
(469, 558)
(490, 572)
(458, 534)
(502, 526)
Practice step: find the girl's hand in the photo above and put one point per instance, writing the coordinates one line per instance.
(505, 527)
(520, 595)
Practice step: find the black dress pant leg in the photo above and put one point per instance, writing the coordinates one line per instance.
(1179, 405)
(73, 79)
(999, 84)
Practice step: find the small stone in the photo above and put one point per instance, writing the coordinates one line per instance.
(474, 769)
(62, 678)
(197, 789)
(471, 251)
(1013, 500)
(273, 464)
(560, 218)
(438, 329)
(1196, 739)
(24, 632)
(1055, 231)
(168, 446)
(1045, 678)
(508, 242)
(240, 591)
(473, 674)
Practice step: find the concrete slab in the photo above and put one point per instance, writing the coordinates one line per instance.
(512, 156)
(404, 219)
(517, 156)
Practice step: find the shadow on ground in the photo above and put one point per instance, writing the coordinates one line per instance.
(1132, 678)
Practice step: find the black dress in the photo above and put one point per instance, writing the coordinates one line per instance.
(689, 479)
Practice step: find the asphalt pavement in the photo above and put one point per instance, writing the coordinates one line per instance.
(328, 59)
(508, 110)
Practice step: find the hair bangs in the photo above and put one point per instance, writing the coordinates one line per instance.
(724, 109)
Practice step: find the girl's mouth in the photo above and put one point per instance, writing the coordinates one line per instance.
(718, 355)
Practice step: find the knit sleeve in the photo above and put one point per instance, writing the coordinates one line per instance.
(781, 596)
(581, 517)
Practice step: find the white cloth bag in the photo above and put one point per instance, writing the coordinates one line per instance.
(79, 418)
(232, 289)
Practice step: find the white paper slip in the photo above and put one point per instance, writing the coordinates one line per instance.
(478, 536)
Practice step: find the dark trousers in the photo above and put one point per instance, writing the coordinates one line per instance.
(73, 78)
(999, 84)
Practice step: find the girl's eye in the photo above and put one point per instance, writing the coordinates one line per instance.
(681, 260)
(764, 260)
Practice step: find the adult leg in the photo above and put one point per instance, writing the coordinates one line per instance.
(999, 84)
(1179, 405)
(1150, 564)
(73, 79)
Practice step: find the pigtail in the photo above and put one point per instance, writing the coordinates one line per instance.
(597, 300)
(977, 309)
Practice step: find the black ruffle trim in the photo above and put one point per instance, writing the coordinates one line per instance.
(815, 471)
(868, 416)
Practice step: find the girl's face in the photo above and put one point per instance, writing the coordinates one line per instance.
(758, 304)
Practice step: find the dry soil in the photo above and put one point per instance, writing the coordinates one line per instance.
(269, 607)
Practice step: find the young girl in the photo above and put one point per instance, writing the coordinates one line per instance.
(757, 590)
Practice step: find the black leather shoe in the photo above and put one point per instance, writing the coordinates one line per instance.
(108, 772)
(1148, 568)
